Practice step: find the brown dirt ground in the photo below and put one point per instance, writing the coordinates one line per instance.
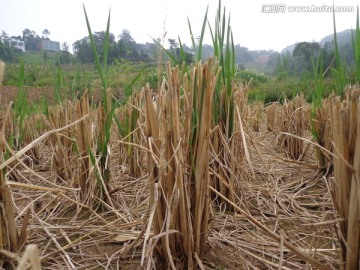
(9, 93)
(35, 94)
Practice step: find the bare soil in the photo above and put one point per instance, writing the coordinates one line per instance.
(35, 94)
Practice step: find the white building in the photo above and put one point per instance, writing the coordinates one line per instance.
(48, 45)
(16, 43)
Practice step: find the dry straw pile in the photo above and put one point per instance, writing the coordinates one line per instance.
(345, 129)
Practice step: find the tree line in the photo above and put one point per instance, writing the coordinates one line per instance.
(125, 48)
(297, 62)
(302, 60)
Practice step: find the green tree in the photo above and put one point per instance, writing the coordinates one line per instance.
(328, 58)
(272, 62)
(99, 39)
(30, 38)
(282, 66)
(126, 37)
(65, 55)
(46, 33)
(303, 54)
(127, 46)
(6, 53)
(173, 47)
(83, 51)
(173, 43)
(5, 38)
(242, 54)
(175, 51)
(65, 47)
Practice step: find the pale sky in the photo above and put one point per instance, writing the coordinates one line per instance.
(251, 27)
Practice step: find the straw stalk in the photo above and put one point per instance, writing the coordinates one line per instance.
(345, 129)
(178, 135)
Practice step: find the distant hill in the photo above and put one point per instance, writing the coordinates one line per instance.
(343, 38)
(288, 49)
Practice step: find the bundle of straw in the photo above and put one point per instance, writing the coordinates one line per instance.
(85, 138)
(345, 129)
(129, 118)
(62, 144)
(294, 121)
(320, 128)
(8, 230)
(271, 112)
(178, 134)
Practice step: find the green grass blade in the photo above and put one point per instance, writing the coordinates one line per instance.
(172, 57)
(128, 88)
(233, 63)
(198, 48)
(199, 55)
(121, 127)
(59, 81)
(339, 69)
(103, 73)
(356, 46)
(45, 105)
(192, 38)
(106, 44)
(96, 56)
(182, 52)
(318, 92)
(211, 33)
(228, 59)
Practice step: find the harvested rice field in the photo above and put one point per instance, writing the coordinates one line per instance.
(190, 175)
(178, 179)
